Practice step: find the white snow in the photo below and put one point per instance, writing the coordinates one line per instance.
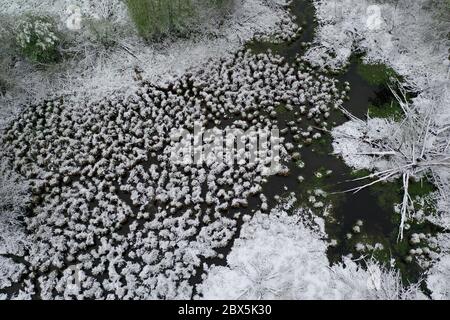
(410, 38)
(10, 272)
(356, 142)
(278, 257)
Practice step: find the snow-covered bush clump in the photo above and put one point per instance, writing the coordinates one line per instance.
(278, 257)
(10, 272)
(38, 39)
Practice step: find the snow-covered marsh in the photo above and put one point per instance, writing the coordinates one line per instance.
(110, 206)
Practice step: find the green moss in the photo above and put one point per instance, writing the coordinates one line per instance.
(389, 110)
(281, 109)
(375, 74)
(388, 194)
(309, 185)
(421, 188)
(323, 146)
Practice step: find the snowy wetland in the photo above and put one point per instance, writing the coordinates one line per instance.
(225, 150)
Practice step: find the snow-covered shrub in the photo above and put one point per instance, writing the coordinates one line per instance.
(38, 39)
(91, 191)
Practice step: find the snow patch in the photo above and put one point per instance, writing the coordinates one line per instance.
(278, 257)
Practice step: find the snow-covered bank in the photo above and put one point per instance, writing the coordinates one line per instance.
(411, 38)
(282, 256)
(96, 72)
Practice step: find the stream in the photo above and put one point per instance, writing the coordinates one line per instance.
(373, 206)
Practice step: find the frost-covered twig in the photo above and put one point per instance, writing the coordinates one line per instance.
(411, 149)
